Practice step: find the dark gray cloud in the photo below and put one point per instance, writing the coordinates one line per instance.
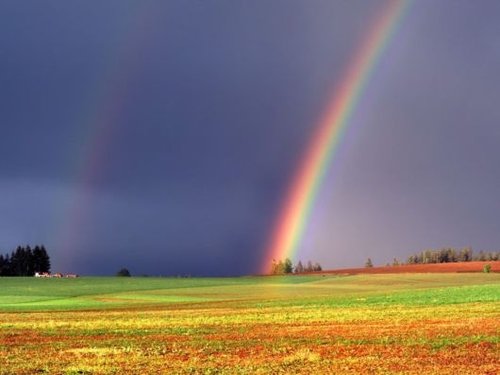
(162, 135)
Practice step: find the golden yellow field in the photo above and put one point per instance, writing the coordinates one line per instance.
(408, 323)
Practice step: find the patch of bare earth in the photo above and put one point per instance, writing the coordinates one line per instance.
(419, 268)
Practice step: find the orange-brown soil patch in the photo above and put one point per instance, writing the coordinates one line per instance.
(426, 346)
(419, 268)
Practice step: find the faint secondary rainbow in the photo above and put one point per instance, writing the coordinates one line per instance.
(99, 123)
(294, 215)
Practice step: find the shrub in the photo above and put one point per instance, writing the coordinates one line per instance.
(487, 268)
(123, 272)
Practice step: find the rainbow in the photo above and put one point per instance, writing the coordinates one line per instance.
(295, 212)
(100, 122)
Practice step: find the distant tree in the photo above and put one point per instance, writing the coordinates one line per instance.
(317, 267)
(427, 257)
(37, 259)
(28, 262)
(281, 267)
(368, 263)
(15, 262)
(3, 266)
(299, 268)
(44, 260)
(123, 273)
(277, 268)
(487, 256)
(465, 255)
(395, 262)
(452, 255)
(309, 267)
(447, 255)
(492, 255)
(21, 261)
(274, 267)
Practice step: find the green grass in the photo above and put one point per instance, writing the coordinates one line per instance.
(25, 294)
(398, 323)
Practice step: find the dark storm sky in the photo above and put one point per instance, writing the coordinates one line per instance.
(162, 135)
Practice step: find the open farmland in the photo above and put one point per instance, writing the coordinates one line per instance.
(476, 266)
(386, 323)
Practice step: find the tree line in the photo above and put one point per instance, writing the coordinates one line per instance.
(450, 255)
(25, 261)
(445, 255)
(286, 266)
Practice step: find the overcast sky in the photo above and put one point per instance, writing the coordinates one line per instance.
(162, 136)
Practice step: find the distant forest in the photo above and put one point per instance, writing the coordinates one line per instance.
(449, 254)
(25, 261)
(445, 255)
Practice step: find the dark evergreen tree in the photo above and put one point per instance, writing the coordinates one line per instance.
(24, 261)
(3, 266)
(37, 252)
(6, 271)
(44, 260)
(16, 261)
(287, 266)
(28, 267)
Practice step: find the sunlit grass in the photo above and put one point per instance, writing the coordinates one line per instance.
(446, 323)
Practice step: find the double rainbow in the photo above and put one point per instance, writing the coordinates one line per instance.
(295, 212)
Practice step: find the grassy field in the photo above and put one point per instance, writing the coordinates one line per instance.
(394, 323)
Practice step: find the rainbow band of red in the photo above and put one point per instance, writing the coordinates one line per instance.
(294, 215)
